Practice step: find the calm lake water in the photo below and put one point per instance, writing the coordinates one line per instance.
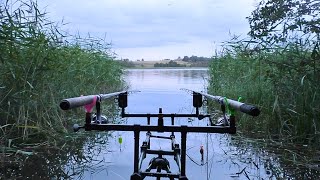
(99, 156)
(225, 157)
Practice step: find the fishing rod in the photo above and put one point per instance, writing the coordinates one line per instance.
(232, 104)
(159, 166)
(75, 102)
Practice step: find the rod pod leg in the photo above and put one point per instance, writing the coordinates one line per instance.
(136, 176)
(183, 178)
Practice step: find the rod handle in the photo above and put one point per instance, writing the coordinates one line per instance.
(249, 109)
(75, 102)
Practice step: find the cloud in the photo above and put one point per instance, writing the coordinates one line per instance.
(152, 26)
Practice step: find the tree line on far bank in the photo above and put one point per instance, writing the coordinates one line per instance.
(169, 64)
(192, 61)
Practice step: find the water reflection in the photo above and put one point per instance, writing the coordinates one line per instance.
(79, 153)
(166, 79)
(257, 155)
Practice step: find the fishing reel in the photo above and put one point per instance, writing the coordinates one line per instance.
(95, 120)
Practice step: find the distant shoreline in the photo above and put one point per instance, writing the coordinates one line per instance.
(151, 65)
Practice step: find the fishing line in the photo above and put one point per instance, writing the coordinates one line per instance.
(202, 164)
(208, 151)
(208, 156)
(194, 161)
(209, 172)
(117, 174)
(190, 148)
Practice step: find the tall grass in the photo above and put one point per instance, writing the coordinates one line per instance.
(283, 81)
(40, 65)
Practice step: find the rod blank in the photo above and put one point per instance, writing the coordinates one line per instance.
(245, 108)
(75, 102)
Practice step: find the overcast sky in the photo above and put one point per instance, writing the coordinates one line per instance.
(155, 29)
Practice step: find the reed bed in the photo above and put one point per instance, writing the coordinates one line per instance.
(282, 80)
(39, 66)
